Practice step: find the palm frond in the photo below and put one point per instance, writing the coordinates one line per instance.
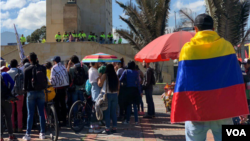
(187, 15)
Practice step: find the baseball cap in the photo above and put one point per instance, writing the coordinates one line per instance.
(56, 59)
(204, 19)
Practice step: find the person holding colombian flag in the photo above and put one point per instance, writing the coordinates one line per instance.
(209, 88)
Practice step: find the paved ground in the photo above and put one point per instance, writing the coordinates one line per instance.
(157, 129)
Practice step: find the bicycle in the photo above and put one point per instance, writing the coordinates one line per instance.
(51, 118)
(78, 116)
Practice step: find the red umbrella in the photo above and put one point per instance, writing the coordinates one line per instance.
(165, 47)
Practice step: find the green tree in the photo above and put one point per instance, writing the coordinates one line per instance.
(231, 17)
(147, 20)
(37, 35)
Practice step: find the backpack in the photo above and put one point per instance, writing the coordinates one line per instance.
(88, 87)
(5, 90)
(19, 80)
(39, 79)
(79, 76)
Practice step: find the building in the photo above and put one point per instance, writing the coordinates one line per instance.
(69, 15)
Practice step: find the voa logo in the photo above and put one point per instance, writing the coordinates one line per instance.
(236, 132)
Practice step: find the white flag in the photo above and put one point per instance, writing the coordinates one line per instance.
(19, 45)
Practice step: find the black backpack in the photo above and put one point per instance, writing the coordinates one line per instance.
(19, 80)
(79, 76)
(39, 79)
(5, 90)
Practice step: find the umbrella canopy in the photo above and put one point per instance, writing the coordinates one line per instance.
(165, 47)
(100, 57)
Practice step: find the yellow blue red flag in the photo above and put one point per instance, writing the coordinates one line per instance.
(209, 83)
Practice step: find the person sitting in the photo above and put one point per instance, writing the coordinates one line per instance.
(23, 39)
(65, 37)
(120, 40)
(43, 40)
(102, 38)
(58, 37)
(83, 35)
(110, 38)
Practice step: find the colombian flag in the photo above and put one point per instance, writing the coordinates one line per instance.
(209, 83)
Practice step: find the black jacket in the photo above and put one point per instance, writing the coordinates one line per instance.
(147, 80)
(28, 77)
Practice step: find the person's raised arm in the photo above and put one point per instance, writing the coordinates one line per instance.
(101, 80)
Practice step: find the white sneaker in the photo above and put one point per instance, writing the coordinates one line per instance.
(125, 122)
(42, 136)
(27, 137)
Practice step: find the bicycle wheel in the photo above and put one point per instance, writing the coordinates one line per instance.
(77, 116)
(53, 124)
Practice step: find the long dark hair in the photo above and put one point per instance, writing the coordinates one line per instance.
(122, 62)
(112, 78)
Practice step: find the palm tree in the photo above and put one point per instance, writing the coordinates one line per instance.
(147, 20)
(231, 17)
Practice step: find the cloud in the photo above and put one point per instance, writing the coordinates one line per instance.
(31, 17)
(4, 15)
(196, 6)
(12, 4)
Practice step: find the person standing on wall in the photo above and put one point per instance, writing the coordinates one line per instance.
(23, 39)
(58, 37)
(60, 80)
(43, 40)
(147, 85)
(120, 40)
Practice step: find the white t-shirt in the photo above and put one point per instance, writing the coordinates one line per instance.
(104, 88)
(93, 75)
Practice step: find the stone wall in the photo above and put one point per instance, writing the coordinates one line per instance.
(47, 51)
(94, 16)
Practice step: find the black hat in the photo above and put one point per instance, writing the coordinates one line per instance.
(56, 59)
(204, 19)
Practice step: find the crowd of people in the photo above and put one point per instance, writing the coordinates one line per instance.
(122, 84)
(81, 36)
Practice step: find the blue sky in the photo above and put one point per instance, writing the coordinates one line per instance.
(29, 15)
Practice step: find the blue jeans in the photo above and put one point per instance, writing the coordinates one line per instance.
(129, 111)
(77, 95)
(197, 131)
(35, 98)
(110, 113)
(95, 91)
